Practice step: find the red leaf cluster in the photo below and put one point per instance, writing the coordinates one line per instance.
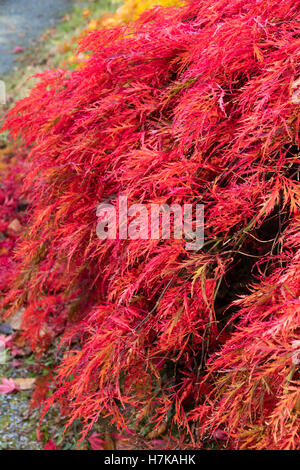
(12, 215)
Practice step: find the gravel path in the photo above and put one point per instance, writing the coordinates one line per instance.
(17, 428)
(22, 21)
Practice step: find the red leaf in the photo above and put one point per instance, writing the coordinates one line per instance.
(95, 442)
(18, 50)
(219, 435)
(8, 386)
(50, 445)
(4, 340)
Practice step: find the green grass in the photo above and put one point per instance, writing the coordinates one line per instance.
(66, 30)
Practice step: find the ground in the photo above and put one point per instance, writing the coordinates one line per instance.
(22, 22)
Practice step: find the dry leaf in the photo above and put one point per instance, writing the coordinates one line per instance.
(25, 384)
(15, 320)
(126, 444)
(157, 432)
(18, 50)
(19, 340)
(296, 92)
(15, 226)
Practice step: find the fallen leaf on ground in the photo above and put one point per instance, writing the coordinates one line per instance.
(86, 13)
(15, 226)
(19, 340)
(17, 352)
(159, 444)
(4, 340)
(39, 434)
(25, 384)
(219, 434)
(50, 446)
(296, 92)
(95, 442)
(18, 50)
(7, 386)
(126, 444)
(16, 363)
(157, 432)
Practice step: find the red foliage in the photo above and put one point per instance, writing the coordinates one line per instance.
(95, 442)
(11, 213)
(50, 445)
(196, 104)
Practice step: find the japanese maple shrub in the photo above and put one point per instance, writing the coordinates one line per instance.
(198, 104)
